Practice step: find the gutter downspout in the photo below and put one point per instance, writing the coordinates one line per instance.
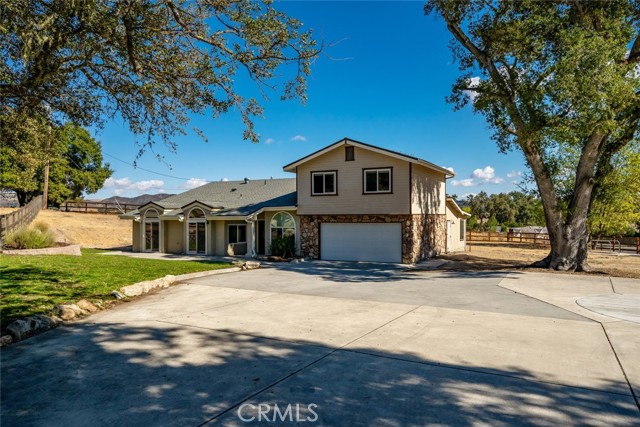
(251, 219)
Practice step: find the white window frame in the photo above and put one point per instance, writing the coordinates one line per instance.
(377, 172)
(271, 227)
(191, 220)
(146, 220)
(324, 173)
(229, 233)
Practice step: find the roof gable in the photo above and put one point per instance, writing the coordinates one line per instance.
(291, 167)
(457, 211)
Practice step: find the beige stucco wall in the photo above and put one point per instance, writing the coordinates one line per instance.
(173, 236)
(350, 198)
(219, 238)
(454, 244)
(135, 238)
(428, 191)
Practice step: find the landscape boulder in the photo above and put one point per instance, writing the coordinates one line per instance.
(251, 265)
(68, 311)
(87, 305)
(5, 340)
(18, 329)
(22, 328)
(141, 288)
(117, 295)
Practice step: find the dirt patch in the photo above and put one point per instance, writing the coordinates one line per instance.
(516, 256)
(88, 230)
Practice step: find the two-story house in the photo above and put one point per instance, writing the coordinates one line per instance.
(349, 201)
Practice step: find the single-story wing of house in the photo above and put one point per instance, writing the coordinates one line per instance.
(348, 201)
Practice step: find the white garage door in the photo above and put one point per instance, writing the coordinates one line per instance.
(361, 242)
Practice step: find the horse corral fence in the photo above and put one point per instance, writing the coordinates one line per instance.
(98, 207)
(618, 244)
(19, 218)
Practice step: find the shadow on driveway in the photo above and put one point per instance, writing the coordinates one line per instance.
(121, 375)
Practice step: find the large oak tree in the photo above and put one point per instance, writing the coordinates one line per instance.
(548, 75)
(150, 61)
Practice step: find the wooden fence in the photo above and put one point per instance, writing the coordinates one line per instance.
(494, 236)
(616, 244)
(19, 218)
(97, 207)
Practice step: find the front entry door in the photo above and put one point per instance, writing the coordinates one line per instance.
(151, 236)
(261, 241)
(197, 237)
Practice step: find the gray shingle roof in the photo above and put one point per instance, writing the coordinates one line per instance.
(238, 198)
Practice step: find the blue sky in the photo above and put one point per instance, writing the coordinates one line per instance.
(384, 83)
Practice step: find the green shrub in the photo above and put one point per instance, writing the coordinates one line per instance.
(284, 247)
(36, 237)
(43, 227)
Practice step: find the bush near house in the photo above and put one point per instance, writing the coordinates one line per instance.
(37, 236)
(284, 247)
(35, 284)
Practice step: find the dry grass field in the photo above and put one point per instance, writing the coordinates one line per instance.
(501, 256)
(88, 230)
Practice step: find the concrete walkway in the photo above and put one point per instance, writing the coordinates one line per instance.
(350, 344)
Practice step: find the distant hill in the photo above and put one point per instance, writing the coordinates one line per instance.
(138, 200)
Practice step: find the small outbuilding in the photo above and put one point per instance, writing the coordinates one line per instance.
(456, 227)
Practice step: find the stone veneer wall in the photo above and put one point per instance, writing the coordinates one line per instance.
(418, 238)
(429, 236)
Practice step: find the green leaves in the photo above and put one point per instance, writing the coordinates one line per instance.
(75, 158)
(151, 62)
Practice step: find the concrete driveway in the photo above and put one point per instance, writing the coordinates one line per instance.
(321, 344)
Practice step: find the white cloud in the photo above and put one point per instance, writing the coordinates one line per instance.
(299, 138)
(472, 82)
(120, 185)
(486, 173)
(152, 184)
(495, 180)
(451, 169)
(514, 174)
(470, 182)
(116, 182)
(269, 141)
(224, 179)
(194, 183)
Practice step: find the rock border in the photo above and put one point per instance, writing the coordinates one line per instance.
(57, 250)
(21, 329)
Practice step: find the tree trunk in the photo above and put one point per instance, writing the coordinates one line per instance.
(568, 237)
(22, 198)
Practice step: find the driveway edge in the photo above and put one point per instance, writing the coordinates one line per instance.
(199, 274)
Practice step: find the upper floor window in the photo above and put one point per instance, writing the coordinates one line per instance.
(377, 180)
(349, 153)
(323, 183)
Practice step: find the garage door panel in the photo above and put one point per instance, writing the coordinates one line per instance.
(361, 242)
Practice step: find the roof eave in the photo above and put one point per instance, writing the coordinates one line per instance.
(291, 167)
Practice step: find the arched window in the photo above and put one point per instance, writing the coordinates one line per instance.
(196, 213)
(151, 229)
(282, 224)
(196, 232)
(151, 213)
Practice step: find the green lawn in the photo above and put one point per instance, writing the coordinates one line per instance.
(35, 284)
